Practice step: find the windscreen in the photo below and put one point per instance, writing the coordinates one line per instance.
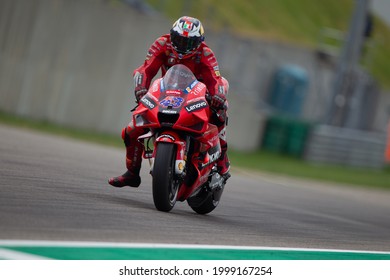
(178, 77)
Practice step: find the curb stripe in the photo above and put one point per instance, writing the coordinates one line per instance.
(65, 250)
(6, 254)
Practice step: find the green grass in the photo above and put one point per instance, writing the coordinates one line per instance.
(70, 132)
(294, 21)
(259, 161)
(291, 166)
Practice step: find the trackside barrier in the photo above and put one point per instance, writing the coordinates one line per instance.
(285, 135)
(336, 145)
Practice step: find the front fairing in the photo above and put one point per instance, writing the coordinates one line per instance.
(176, 101)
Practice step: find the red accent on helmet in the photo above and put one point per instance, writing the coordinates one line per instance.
(186, 36)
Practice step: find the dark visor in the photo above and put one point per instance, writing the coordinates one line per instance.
(182, 44)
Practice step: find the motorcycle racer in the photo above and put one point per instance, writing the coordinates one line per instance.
(185, 45)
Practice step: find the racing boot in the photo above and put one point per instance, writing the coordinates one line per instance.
(223, 163)
(126, 179)
(134, 151)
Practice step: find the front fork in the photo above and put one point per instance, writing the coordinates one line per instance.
(150, 141)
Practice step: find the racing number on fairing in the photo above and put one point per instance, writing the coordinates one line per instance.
(173, 101)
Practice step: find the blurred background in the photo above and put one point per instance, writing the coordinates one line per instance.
(309, 78)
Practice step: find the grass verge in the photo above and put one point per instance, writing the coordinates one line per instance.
(259, 161)
(287, 165)
(299, 22)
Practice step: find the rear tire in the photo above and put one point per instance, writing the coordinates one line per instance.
(204, 202)
(165, 187)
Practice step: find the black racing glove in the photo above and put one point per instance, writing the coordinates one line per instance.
(218, 100)
(140, 92)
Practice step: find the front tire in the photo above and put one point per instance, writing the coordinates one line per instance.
(165, 187)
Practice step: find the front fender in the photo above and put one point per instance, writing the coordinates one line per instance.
(181, 144)
(169, 137)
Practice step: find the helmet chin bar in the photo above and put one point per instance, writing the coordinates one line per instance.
(185, 43)
(181, 55)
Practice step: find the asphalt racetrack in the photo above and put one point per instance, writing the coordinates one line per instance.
(53, 188)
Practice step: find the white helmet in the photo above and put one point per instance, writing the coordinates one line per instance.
(186, 36)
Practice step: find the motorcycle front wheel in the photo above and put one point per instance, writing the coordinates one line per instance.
(165, 187)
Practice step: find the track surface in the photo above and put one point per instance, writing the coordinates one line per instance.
(53, 188)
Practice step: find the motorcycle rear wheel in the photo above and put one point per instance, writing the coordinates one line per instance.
(165, 187)
(204, 202)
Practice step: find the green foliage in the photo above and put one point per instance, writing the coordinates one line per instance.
(294, 21)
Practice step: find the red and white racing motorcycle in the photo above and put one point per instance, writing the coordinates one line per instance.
(181, 144)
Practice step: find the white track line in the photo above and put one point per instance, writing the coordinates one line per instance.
(162, 245)
(6, 254)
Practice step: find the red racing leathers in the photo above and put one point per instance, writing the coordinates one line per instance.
(205, 67)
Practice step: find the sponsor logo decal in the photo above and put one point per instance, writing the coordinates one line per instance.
(173, 92)
(148, 102)
(184, 74)
(214, 156)
(192, 85)
(149, 55)
(196, 106)
(173, 101)
(138, 78)
(198, 89)
(169, 112)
